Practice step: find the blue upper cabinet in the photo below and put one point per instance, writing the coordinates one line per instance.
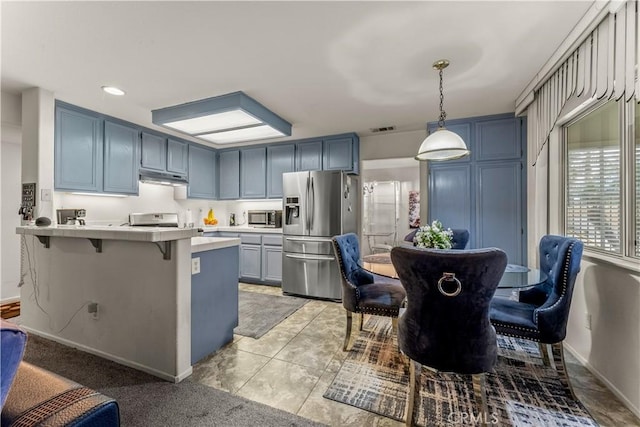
(253, 170)
(338, 154)
(498, 139)
(484, 192)
(229, 174)
(309, 156)
(202, 172)
(280, 159)
(121, 156)
(154, 152)
(177, 157)
(78, 151)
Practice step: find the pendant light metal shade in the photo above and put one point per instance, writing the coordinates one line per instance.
(442, 144)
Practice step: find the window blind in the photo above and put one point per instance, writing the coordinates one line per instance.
(593, 200)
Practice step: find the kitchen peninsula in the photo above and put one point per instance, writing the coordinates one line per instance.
(139, 277)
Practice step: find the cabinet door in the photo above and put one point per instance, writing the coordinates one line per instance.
(280, 159)
(202, 173)
(253, 171)
(498, 139)
(450, 196)
(309, 156)
(272, 263)
(499, 208)
(78, 151)
(338, 154)
(154, 152)
(250, 261)
(229, 174)
(120, 158)
(177, 157)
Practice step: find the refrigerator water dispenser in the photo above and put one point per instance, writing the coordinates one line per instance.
(292, 211)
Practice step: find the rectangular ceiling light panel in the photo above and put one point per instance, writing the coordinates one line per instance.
(234, 117)
(214, 122)
(246, 134)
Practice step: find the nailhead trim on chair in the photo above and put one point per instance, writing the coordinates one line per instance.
(565, 278)
(41, 412)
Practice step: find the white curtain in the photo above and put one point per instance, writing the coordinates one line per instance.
(603, 66)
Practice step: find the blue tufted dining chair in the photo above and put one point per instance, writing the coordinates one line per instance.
(459, 239)
(364, 292)
(446, 323)
(541, 313)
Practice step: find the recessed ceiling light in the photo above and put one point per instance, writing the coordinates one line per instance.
(112, 90)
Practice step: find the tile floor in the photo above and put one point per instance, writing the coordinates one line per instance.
(292, 365)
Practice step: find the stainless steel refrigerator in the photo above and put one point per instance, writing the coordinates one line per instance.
(316, 207)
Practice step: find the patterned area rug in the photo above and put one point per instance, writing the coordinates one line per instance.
(258, 313)
(521, 391)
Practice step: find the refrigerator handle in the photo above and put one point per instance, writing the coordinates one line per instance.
(306, 202)
(313, 209)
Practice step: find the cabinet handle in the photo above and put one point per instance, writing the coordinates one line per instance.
(311, 257)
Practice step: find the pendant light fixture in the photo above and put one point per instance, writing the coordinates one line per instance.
(442, 144)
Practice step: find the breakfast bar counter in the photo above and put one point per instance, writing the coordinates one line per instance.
(143, 297)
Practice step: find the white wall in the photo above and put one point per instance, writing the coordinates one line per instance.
(10, 188)
(609, 293)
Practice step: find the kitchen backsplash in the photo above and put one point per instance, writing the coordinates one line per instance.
(157, 198)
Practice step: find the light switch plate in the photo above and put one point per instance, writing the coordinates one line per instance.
(195, 265)
(45, 194)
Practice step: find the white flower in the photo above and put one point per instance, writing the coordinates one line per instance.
(433, 236)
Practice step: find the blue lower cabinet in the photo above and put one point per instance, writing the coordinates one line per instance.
(272, 263)
(121, 158)
(214, 301)
(250, 262)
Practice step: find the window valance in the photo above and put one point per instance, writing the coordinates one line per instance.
(604, 65)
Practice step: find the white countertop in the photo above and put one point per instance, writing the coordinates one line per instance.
(201, 244)
(106, 232)
(242, 229)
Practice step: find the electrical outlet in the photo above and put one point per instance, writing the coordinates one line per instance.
(92, 309)
(587, 321)
(195, 265)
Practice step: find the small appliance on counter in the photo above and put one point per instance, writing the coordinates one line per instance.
(232, 219)
(153, 220)
(266, 218)
(70, 216)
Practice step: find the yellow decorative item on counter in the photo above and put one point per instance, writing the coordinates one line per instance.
(210, 219)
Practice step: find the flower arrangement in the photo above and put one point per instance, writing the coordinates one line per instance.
(433, 236)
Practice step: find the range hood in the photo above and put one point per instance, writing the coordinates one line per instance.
(162, 178)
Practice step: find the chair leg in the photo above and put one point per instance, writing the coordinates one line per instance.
(394, 330)
(544, 353)
(558, 359)
(480, 397)
(347, 336)
(361, 321)
(414, 371)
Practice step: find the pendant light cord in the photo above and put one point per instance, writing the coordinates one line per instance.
(443, 115)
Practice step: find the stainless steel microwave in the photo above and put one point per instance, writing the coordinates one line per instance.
(271, 219)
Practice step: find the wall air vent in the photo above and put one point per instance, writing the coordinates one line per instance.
(383, 129)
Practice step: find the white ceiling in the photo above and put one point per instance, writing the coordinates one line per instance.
(326, 67)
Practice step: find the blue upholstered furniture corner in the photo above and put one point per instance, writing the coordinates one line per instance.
(541, 313)
(33, 396)
(364, 292)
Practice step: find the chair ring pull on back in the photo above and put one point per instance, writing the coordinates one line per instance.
(449, 277)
